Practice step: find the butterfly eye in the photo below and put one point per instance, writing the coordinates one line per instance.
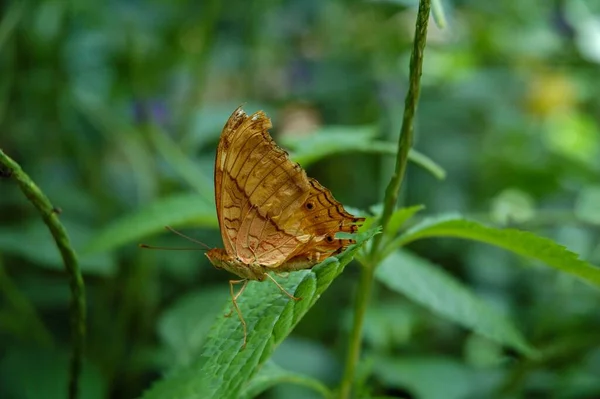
(329, 239)
(309, 206)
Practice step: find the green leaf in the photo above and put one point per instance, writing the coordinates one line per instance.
(223, 368)
(399, 217)
(587, 207)
(182, 164)
(10, 20)
(333, 140)
(426, 163)
(183, 329)
(178, 210)
(271, 374)
(520, 242)
(428, 285)
(35, 244)
(428, 377)
(50, 366)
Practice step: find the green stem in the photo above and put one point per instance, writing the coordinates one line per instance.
(391, 196)
(50, 216)
(360, 308)
(410, 106)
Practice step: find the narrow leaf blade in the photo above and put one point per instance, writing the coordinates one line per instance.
(520, 242)
(428, 285)
(332, 140)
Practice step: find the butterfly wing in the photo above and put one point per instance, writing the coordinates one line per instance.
(269, 211)
(252, 185)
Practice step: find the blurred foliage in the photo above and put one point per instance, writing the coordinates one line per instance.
(115, 108)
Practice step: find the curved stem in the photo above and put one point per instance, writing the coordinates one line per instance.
(50, 216)
(360, 308)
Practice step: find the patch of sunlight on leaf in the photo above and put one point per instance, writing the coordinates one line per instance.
(573, 135)
(520, 242)
(177, 211)
(223, 368)
(438, 291)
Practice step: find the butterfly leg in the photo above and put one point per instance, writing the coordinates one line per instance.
(281, 288)
(236, 296)
(235, 305)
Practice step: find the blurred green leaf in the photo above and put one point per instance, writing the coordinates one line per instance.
(389, 325)
(427, 377)
(333, 140)
(183, 165)
(130, 146)
(512, 205)
(426, 163)
(207, 122)
(588, 204)
(430, 286)
(177, 210)
(183, 327)
(271, 374)
(34, 373)
(33, 242)
(517, 241)
(437, 11)
(399, 217)
(223, 367)
(10, 20)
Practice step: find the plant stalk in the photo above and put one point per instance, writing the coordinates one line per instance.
(407, 130)
(363, 295)
(391, 197)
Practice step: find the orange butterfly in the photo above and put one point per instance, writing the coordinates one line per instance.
(272, 216)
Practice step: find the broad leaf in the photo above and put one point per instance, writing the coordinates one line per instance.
(178, 210)
(518, 241)
(223, 368)
(430, 286)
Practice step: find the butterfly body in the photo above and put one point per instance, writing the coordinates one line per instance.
(254, 271)
(272, 216)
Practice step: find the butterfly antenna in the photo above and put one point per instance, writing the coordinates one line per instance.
(172, 230)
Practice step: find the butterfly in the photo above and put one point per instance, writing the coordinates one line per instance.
(272, 216)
